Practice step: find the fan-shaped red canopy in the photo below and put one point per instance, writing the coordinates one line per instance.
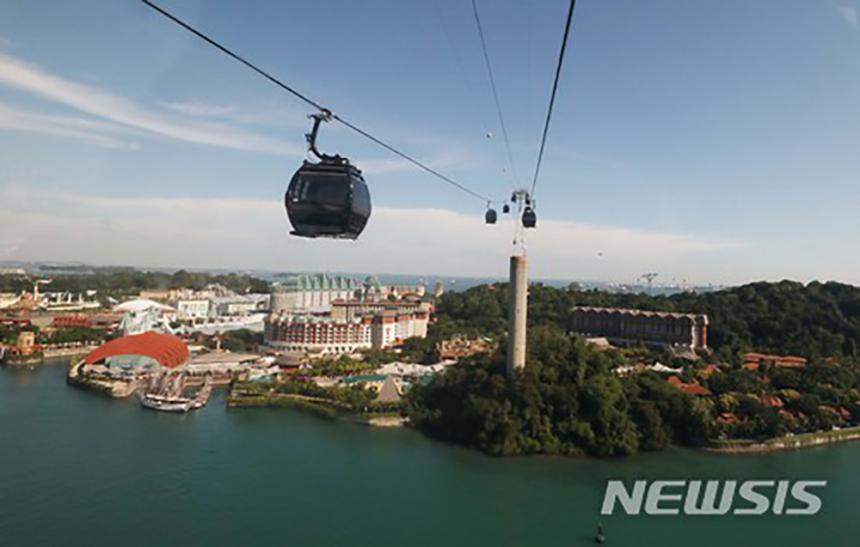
(167, 349)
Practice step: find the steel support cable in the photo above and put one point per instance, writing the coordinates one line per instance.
(552, 96)
(313, 103)
(495, 91)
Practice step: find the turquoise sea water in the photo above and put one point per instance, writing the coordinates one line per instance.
(79, 469)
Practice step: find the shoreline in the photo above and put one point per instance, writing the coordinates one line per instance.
(333, 410)
(793, 442)
(117, 390)
(49, 355)
(321, 407)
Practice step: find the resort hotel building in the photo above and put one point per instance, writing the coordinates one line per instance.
(326, 335)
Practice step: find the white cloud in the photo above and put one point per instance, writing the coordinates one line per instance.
(260, 114)
(192, 121)
(849, 14)
(271, 115)
(97, 102)
(246, 234)
(63, 126)
(197, 108)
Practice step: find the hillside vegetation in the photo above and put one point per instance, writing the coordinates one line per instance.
(814, 320)
(571, 400)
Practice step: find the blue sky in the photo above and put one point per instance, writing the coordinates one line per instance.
(708, 141)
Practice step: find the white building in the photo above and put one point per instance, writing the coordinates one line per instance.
(409, 369)
(190, 309)
(68, 301)
(8, 299)
(245, 304)
(142, 315)
(224, 363)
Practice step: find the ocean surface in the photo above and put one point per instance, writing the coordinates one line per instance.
(80, 469)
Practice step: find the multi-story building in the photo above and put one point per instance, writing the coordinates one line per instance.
(327, 335)
(347, 310)
(189, 309)
(310, 334)
(312, 292)
(68, 301)
(628, 326)
(244, 304)
(317, 292)
(373, 289)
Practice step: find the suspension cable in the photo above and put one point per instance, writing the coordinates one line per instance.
(552, 96)
(495, 91)
(313, 103)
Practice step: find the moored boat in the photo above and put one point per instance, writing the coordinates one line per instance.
(166, 404)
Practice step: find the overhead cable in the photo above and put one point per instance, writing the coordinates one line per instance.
(552, 96)
(495, 91)
(313, 103)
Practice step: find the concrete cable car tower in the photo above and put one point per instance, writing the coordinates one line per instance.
(524, 201)
(518, 288)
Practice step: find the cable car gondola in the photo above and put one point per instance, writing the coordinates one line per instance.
(529, 217)
(329, 198)
(490, 216)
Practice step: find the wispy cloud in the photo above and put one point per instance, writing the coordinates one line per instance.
(88, 131)
(190, 120)
(258, 114)
(849, 15)
(197, 108)
(243, 233)
(277, 116)
(98, 102)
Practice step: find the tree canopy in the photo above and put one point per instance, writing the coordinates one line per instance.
(813, 320)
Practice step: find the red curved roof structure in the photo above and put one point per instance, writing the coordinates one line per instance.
(167, 349)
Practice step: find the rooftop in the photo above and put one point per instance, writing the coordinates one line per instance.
(643, 313)
(168, 350)
(311, 282)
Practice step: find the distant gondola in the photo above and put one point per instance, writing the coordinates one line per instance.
(490, 216)
(529, 217)
(329, 198)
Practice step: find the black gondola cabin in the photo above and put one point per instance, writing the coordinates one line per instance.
(529, 217)
(328, 199)
(490, 216)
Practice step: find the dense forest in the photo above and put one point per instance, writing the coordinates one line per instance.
(814, 320)
(571, 400)
(567, 401)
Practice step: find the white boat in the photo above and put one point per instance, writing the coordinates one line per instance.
(176, 403)
(167, 404)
